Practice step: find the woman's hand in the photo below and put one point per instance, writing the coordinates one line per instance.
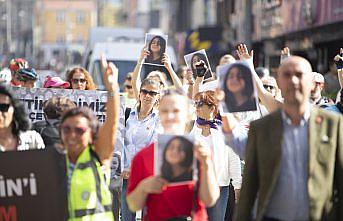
(202, 154)
(243, 53)
(110, 74)
(166, 60)
(144, 53)
(153, 185)
(189, 77)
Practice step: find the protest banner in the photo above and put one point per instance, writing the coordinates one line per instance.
(34, 98)
(33, 189)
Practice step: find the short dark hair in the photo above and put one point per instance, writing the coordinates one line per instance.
(56, 106)
(83, 112)
(20, 121)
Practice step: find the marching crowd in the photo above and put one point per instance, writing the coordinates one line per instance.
(282, 161)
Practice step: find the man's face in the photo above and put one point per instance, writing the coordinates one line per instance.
(316, 91)
(293, 79)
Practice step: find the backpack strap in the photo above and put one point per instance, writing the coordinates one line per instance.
(127, 114)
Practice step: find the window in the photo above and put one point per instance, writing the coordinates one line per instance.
(60, 16)
(80, 17)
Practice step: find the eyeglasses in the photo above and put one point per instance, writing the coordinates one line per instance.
(76, 81)
(151, 93)
(128, 86)
(4, 107)
(77, 130)
(268, 87)
(200, 103)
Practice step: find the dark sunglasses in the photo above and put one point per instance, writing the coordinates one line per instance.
(268, 87)
(4, 107)
(200, 103)
(128, 86)
(151, 93)
(77, 130)
(76, 81)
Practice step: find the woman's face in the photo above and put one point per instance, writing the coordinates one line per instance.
(204, 110)
(234, 82)
(6, 111)
(195, 59)
(149, 94)
(78, 81)
(173, 112)
(155, 46)
(174, 153)
(76, 134)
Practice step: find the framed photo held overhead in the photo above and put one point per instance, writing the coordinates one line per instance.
(235, 82)
(156, 45)
(199, 64)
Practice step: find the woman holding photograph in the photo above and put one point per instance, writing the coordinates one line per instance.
(165, 202)
(178, 160)
(157, 47)
(239, 89)
(227, 165)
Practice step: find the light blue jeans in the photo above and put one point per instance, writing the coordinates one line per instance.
(126, 214)
(217, 212)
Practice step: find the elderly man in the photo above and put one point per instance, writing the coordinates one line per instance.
(316, 97)
(294, 156)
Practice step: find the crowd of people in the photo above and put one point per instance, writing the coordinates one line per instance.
(266, 148)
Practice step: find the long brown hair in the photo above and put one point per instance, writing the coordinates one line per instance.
(90, 83)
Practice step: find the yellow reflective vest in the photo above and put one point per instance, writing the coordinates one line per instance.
(89, 197)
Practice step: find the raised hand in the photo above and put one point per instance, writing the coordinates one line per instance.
(189, 77)
(166, 60)
(339, 60)
(243, 53)
(110, 74)
(202, 154)
(285, 53)
(144, 53)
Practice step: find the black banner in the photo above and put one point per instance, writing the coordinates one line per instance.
(33, 186)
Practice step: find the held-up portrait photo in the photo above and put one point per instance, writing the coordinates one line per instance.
(235, 81)
(174, 158)
(198, 63)
(156, 45)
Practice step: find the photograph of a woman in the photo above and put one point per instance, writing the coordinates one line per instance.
(237, 85)
(157, 47)
(175, 161)
(194, 59)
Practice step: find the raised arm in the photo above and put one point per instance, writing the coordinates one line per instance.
(167, 63)
(105, 142)
(266, 98)
(136, 72)
(190, 82)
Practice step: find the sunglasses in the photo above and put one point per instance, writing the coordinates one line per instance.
(268, 87)
(76, 81)
(77, 130)
(151, 93)
(200, 103)
(4, 107)
(128, 86)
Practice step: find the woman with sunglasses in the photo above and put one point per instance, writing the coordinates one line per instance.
(172, 202)
(89, 154)
(80, 79)
(207, 128)
(14, 125)
(140, 130)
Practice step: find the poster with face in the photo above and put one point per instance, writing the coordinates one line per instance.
(174, 159)
(196, 57)
(156, 45)
(235, 81)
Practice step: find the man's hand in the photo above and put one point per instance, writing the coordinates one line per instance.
(153, 185)
(110, 74)
(243, 53)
